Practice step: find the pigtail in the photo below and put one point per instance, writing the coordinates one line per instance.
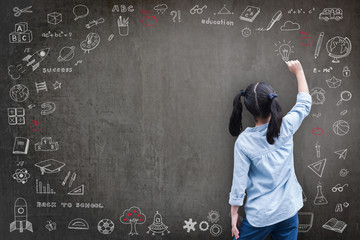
(235, 125)
(275, 120)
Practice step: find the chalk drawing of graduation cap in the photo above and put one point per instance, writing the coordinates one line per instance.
(50, 166)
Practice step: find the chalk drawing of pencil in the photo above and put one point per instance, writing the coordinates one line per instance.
(66, 178)
(318, 45)
(72, 179)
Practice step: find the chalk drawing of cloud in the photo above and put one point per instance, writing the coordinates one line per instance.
(290, 26)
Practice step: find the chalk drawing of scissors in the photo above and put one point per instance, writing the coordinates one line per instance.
(18, 11)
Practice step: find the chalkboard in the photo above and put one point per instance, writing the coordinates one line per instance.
(115, 114)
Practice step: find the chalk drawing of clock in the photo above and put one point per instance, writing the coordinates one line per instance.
(91, 42)
(317, 95)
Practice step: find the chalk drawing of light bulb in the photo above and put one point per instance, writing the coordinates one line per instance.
(284, 50)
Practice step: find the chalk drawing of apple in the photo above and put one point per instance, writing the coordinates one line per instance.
(317, 131)
(36, 126)
(148, 20)
(306, 40)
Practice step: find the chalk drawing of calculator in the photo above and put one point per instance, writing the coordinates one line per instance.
(305, 221)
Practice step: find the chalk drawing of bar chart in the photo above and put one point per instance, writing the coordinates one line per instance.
(43, 189)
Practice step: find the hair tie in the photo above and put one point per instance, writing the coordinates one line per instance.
(242, 92)
(272, 96)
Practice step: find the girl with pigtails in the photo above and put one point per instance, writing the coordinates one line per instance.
(264, 162)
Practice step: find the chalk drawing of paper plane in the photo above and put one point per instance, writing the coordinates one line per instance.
(318, 167)
(46, 144)
(78, 191)
(305, 221)
(78, 224)
(333, 82)
(342, 153)
(50, 166)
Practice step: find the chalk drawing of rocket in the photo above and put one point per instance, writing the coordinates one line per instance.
(20, 215)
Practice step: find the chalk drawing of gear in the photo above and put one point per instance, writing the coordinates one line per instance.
(202, 227)
(49, 108)
(213, 216)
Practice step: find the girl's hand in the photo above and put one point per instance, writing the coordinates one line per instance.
(295, 67)
(234, 230)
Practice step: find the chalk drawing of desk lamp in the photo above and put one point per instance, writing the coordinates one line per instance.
(285, 51)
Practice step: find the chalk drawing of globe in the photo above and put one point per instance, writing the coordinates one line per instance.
(338, 47)
(19, 93)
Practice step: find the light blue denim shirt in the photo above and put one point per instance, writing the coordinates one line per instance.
(266, 171)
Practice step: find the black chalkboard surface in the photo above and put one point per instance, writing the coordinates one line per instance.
(115, 114)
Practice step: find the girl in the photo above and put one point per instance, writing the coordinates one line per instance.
(264, 162)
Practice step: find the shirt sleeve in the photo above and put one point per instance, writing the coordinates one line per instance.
(240, 177)
(292, 121)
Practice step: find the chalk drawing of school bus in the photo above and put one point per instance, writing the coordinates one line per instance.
(331, 13)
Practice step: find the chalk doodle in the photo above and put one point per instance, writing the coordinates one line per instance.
(284, 50)
(19, 93)
(90, 43)
(148, 20)
(158, 226)
(331, 14)
(46, 144)
(277, 16)
(339, 188)
(204, 226)
(250, 13)
(57, 85)
(290, 26)
(318, 167)
(22, 34)
(213, 216)
(78, 191)
(72, 179)
(341, 127)
(161, 8)
(317, 95)
(123, 8)
(66, 178)
(343, 112)
(338, 47)
(20, 163)
(21, 145)
(176, 15)
(123, 26)
(306, 220)
(197, 10)
(54, 18)
(21, 175)
(31, 106)
(41, 86)
(43, 189)
(317, 148)
(94, 23)
(209, 21)
(346, 71)
(57, 70)
(304, 196)
(50, 166)
(324, 70)
(342, 153)
(133, 216)
(17, 11)
(300, 11)
(60, 34)
(189, 225)
(333, 82)
(215, 230)
(317, 131)
(20, 216)
(48, 108)
(78, 62)
(78, 224)
(66, 54)
(224, 11)
(335, 225)
(80, 11)
(343, 172)
(246, 32)
(305, 40)
(50, 226)
(111, 37)
(344, 96)
(16, 116)
(318, 45)
(320, 198)
(106, 226)
(317, 115)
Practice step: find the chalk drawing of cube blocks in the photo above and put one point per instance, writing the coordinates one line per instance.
(54, 18)
(21, 27)
(16, 37)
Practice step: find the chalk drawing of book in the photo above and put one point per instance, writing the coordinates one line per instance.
(335, 225)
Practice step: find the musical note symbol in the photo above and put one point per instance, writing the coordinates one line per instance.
(21, 163)
(27, 49)
(31, 106)
(79, 61)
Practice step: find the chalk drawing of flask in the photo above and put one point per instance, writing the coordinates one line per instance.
(320, 198)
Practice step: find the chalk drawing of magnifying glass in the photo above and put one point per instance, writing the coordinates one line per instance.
(344, 96)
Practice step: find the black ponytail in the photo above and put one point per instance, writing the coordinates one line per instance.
(275, 120)
(235, 125)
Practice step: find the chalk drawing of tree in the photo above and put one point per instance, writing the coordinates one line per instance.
(133, 216)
